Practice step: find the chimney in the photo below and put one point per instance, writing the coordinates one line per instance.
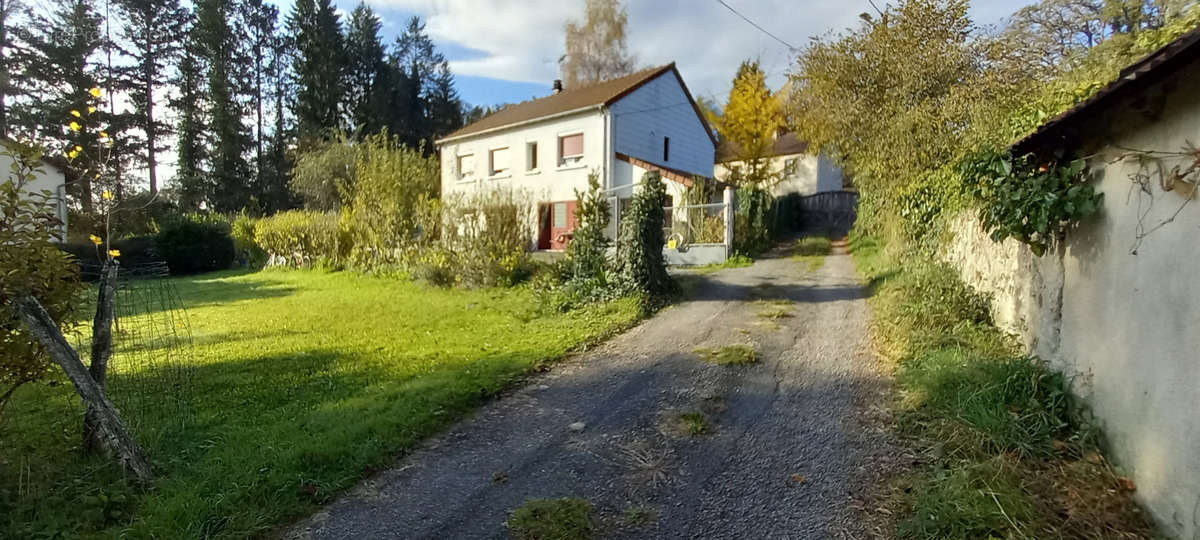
(557, 86)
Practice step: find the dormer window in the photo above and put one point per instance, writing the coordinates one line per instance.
(570, 149)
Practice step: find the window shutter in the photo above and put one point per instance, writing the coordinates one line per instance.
(571, 145)
(500, 160)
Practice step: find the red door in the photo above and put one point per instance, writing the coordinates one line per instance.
(561, 223)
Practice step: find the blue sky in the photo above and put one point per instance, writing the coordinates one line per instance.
(505, 51)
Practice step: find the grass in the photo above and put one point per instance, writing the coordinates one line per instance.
(639, 517)
(301, 383)
(811, 251)
(694, 423)
(729, 355)
(553, 519)
(1009, 452)
(736, 261)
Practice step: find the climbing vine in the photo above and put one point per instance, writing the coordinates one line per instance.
(1155, 167)
(1031, 203)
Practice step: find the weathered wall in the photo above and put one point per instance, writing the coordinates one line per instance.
(661, 108)
(1125, 327)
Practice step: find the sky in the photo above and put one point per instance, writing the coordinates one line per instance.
(506, 51)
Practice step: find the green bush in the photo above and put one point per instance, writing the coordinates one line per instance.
(135, 251)
(640, 267)
(325, 174)
(195, 244)
(30, 265)
(392, 214)
(247, 247)
(300, 238)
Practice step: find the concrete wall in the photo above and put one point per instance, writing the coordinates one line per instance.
(814, 174)
(1124, 326)
(46, 178)
(658, 109)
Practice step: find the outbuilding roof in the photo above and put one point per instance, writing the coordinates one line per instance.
(597, 95)
(1063, 131)
(785, 145)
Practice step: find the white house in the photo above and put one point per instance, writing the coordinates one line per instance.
(800, 172)
(48, 177)
(547, 147)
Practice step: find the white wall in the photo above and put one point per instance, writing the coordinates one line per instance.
(549, 182)
(814, 174)
(1124, 327)
(47, 178)
(661, 108)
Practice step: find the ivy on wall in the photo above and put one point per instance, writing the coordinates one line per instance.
(1033, 204)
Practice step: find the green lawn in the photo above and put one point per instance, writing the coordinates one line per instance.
(301, 382)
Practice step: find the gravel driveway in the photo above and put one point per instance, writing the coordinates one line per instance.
(793, 451)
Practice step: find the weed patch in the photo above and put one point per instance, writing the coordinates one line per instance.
(694, 423)
(553, 519)
(1013, 454)
(736, 261)
(811, 252)
(729, 355)
(639, 517)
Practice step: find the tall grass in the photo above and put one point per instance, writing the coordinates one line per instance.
(1009, 452)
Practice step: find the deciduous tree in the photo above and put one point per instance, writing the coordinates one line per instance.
(596, 48)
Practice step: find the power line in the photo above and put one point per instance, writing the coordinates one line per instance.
(754, 24)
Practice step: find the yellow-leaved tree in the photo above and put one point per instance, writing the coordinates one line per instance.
(750, 124)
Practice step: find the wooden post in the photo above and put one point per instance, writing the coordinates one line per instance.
(108, 421)
(101, 351)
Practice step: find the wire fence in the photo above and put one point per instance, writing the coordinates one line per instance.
(152, 369)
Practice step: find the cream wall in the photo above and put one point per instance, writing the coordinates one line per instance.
(550, 182)
(814, 174)
(46, 178)
(1124, 327)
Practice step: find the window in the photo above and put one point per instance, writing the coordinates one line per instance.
(498, 162)
(791, 167)
(466, 166)
(560, 215)
(570, 149)
(531, 163)
(666, 149)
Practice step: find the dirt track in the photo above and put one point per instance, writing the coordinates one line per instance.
(791, 453)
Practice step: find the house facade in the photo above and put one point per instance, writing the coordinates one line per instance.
(1115, 306)
(546, 148)
(800, 172)
(47, 178)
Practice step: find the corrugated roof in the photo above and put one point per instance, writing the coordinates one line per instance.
(599, 94)
(1061, 131)
(786, 144)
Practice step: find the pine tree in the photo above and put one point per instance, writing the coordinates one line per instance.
(62, 71)
(320, 57)
(229, 141)
(445, 107)
(366, 66)
(276, 194)
(191, 143)
(260, 20)
(415, 58)
(152, 30)
(11, 66)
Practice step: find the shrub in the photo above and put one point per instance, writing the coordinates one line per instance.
(325, 174)
(392, 214)
(248, 250)
(487, 235)
(300, 238)
(588, 250)
(640, 266)
(32, 266)
(135, 251)
(195, 244)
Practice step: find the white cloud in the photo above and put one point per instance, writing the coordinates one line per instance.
(521, 40)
